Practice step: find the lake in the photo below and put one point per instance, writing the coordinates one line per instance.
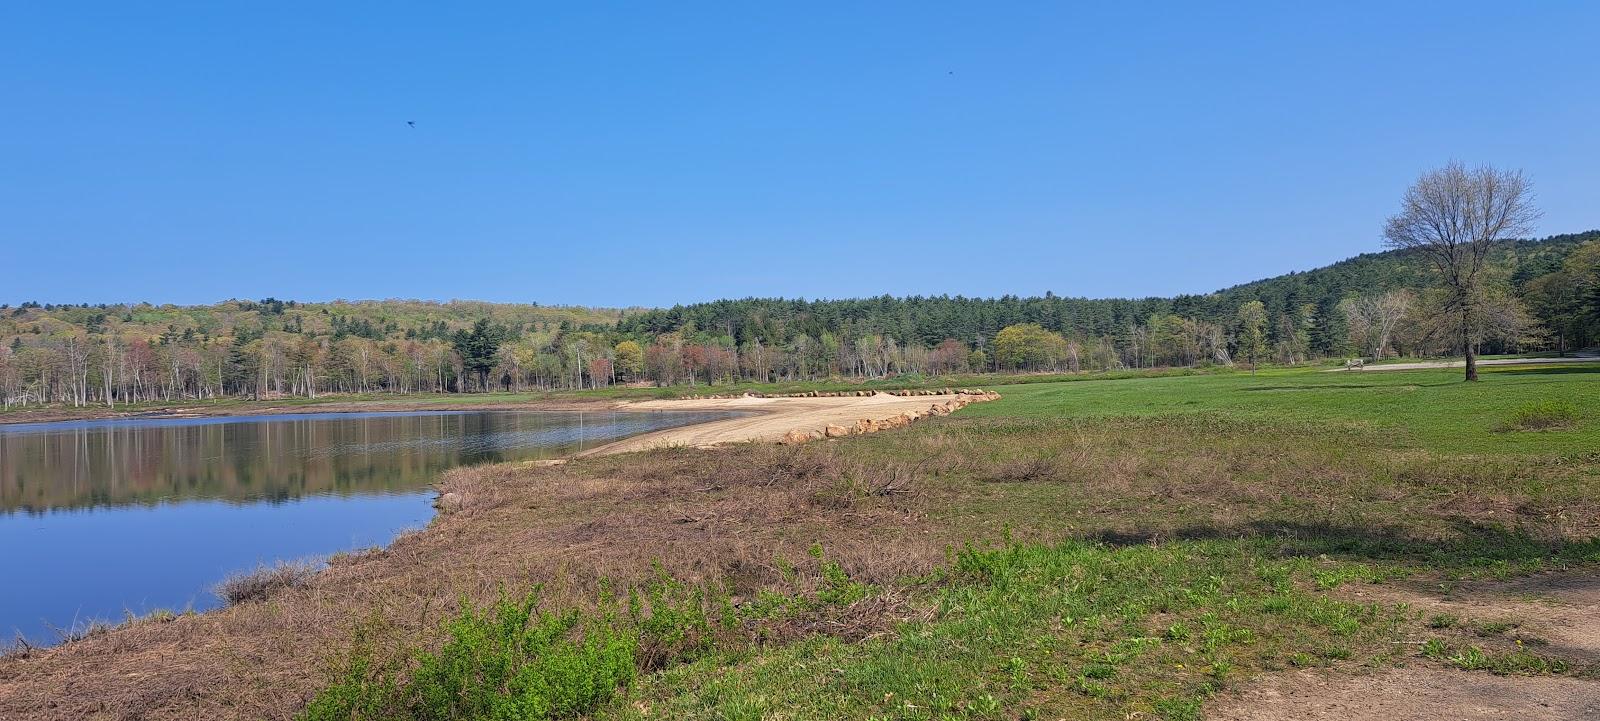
(99, 519)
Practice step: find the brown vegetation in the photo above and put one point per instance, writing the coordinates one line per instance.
(265, 581)
(705, 517)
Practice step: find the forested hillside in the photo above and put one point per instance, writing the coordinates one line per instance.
(1544, 294)
(79, 354)
(1319, 313)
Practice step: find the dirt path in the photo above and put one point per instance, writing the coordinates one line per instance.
(1558, 614)
(1560, 610)
(1427, 365)
(771, 419)
(1412, 694)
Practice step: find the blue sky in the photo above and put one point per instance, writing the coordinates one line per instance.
(622, 154)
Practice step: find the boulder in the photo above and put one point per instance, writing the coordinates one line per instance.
(835, 431)
(796, 437)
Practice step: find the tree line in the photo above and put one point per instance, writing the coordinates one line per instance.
(1535, 295)
(83, 354)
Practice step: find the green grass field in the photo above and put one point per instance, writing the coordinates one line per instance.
(1125, 546)
(1426, 409)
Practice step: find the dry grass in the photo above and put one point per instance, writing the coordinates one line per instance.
(734, 519)
(869, 617)
(886, 507)
(265, 581)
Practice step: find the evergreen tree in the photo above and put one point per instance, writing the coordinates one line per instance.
(478, 349)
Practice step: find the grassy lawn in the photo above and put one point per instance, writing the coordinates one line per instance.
(1426, 409)
(1121, 547)
(1043, 631)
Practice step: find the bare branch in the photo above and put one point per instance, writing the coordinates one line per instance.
(1453, 216)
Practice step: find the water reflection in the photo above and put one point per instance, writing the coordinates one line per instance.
(102, 518)
(274, 458)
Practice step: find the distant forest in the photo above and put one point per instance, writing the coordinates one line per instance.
(1544, 295)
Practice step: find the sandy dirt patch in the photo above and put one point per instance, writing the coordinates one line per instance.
(771, 419)
(1411, 694)
(1560, 610)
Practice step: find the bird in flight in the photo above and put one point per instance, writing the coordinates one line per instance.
(412, 123)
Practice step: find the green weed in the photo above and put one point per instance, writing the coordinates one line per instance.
(1543, 415)
(516, 661)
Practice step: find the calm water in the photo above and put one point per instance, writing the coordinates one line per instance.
(102, 518)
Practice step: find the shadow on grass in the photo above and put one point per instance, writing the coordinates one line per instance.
(1472, 546)
(1346, 386)
(1540, 370)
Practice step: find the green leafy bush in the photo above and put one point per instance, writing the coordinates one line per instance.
(513, 660)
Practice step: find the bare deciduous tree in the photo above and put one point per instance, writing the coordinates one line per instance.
(1372, 319)
(1453, 216)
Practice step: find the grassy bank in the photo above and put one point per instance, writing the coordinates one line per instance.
(1430, 410)
(1078, 550)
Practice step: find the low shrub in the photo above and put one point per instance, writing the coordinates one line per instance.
(261, 583)
(1023, 470)
(514, 660)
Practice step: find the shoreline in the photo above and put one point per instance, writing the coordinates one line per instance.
(279, 407)
(787, 419)
(192, 659)
(1151, 501)
(760, 418)
(617, 396)
(434, 493)
(750, 419)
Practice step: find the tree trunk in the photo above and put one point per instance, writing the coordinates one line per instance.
(1467, 345)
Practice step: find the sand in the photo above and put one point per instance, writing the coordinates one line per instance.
(769, 419)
